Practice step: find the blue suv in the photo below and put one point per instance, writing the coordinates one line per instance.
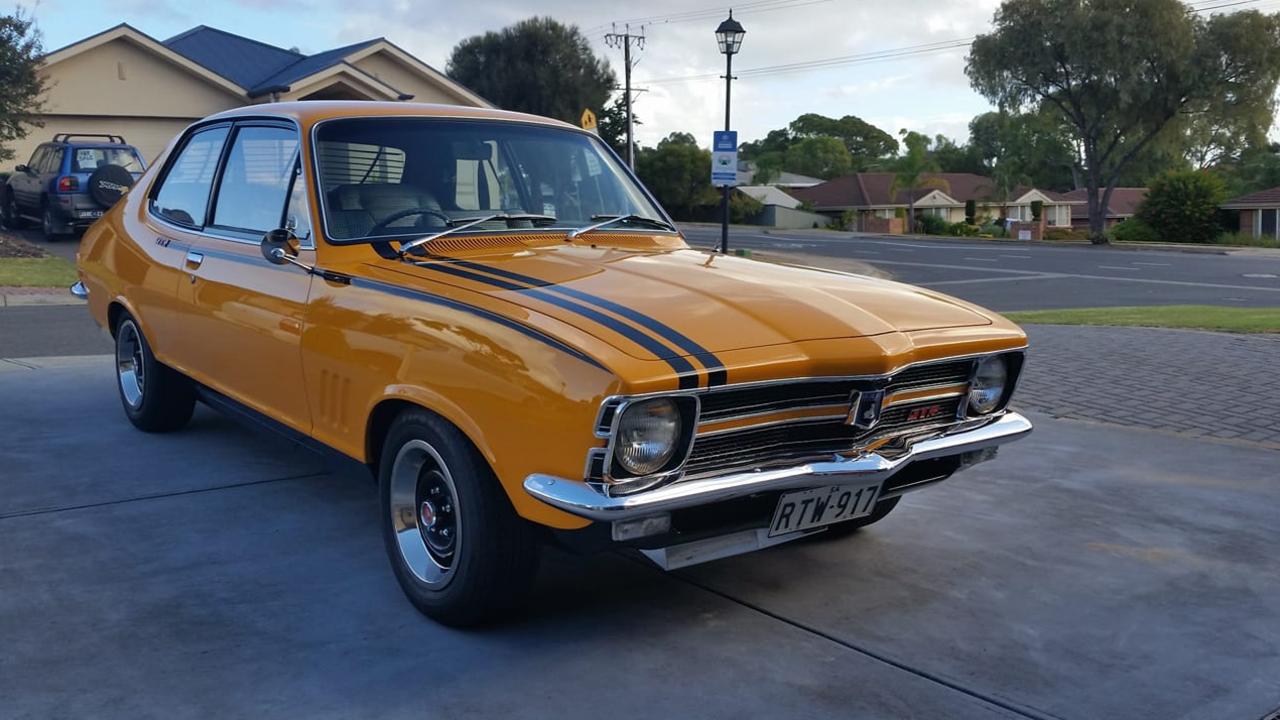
(69, 182)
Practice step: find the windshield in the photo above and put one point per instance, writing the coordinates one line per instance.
(88, 159)
(403, 177)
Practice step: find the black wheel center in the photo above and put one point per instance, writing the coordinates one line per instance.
(437, 519)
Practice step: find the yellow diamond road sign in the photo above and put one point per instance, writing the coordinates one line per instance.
(588, 120)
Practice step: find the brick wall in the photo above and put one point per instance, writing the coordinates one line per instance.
(1035, 228)
(1246, 221)
(884, 226)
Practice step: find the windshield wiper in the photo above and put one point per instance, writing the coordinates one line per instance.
(419, 242)
(607, 220)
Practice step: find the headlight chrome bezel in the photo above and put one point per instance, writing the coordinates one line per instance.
(617, 475)
(1009, 367)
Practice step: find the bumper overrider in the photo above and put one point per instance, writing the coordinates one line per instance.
(971, 442)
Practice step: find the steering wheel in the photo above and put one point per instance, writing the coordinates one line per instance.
(385, 222)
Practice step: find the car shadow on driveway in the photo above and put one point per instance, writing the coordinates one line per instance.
(1088, 572)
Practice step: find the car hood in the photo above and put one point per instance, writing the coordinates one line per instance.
(715, 303)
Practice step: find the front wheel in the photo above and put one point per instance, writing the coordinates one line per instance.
(9, 212)
(156, 398)
(457, 547)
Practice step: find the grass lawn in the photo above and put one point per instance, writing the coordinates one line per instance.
(1190, 317)
(37, 272)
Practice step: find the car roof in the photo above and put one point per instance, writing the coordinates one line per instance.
(307, 112)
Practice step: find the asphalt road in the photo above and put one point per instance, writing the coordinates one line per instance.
(1025, 276)
(220, 572)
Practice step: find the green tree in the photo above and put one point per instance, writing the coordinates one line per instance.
(678, 173)
(537, 66)
(821, 157)
(1120, 71)
(611, 123)
(777, 141)
(1257, 169)
(865, 142)
(953, 157)
(1183, 206)
(1034, 147)
(912, 172)
(20, 100)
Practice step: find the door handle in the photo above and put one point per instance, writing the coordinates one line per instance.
(194, 259)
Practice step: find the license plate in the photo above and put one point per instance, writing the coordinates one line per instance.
(90, 213)
(808, 509)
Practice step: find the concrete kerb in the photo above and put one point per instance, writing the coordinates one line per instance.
(25, 297)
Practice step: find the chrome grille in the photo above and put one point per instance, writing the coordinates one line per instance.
(754, 447)
(775, 397)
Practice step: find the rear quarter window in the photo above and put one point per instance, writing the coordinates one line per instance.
(183, 195)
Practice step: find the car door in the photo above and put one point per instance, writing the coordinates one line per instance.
(245, 315)
(24, 183)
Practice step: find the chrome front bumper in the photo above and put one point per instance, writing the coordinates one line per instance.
(580, 498)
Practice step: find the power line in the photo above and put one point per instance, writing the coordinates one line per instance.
(625, 40)
(704, 13)
(891, 53)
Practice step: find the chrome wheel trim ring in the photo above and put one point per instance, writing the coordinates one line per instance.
(129, 363)
(416, 469)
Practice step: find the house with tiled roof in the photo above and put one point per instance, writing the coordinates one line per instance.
(1124, 205)
(125, 82)
(1259, 212)
(872, 197)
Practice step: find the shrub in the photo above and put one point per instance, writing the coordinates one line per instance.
(932, 225)
(743, 208)
(962, 229)
(1182, 206)
(970, 211)
(1065, 233)
(994, 229)
(1239, 238)
(1133, 230)
(844, 222)
(1037, 209)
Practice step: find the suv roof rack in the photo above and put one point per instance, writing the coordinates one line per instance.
(64, 137)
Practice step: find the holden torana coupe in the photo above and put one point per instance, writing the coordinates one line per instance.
(492, 313)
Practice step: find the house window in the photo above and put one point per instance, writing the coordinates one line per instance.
(1267, 221)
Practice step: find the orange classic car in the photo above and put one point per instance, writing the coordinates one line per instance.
(494, 315)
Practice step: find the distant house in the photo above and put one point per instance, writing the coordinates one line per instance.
(1259, 212)
(870, 196)
(1124, 205)
(781, 209)
(747, 174)
(123, 81)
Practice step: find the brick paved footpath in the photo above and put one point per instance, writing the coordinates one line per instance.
(1200, 383)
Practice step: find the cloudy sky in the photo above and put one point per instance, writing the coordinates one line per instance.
(921, 91)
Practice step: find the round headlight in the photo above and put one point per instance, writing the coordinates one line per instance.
(648, 433)
(988, 385)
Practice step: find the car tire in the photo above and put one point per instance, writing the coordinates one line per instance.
(845, 529)
(156, 398)
(459, 551)
(48, 224)
(9, 212)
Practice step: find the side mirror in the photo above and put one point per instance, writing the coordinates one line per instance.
(22, 169)
(280, 247)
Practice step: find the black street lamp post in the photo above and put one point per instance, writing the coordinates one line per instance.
(729, 37)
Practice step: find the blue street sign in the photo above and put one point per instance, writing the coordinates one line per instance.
(724, 158)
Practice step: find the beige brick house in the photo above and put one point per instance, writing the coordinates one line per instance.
(1259, 212)
(873, 199)
(123, 81)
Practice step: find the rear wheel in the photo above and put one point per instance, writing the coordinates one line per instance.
(156, 398)
(48, 223)
(457, 547)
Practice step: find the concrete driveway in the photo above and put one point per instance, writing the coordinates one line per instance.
(1090, 572)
